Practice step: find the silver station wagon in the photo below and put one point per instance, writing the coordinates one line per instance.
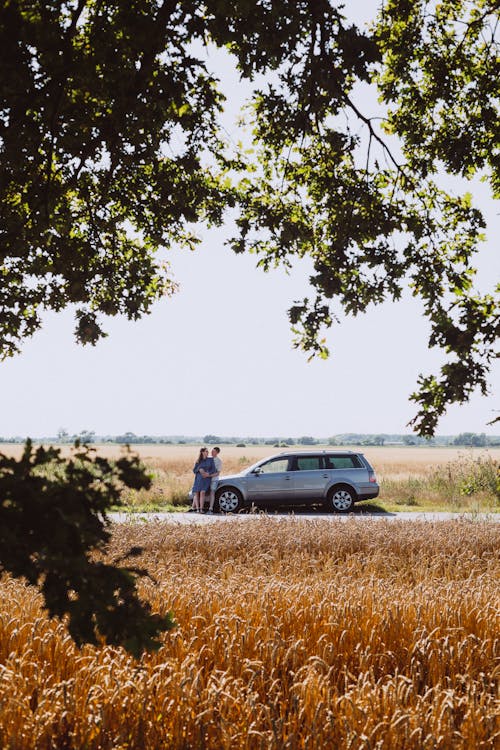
(334, 479)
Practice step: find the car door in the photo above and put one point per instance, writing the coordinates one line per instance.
(311, 478)
(348, 469)
(271, 482)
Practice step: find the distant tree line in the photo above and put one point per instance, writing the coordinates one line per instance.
(471, 439)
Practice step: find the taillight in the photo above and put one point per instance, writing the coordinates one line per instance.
(372, 478)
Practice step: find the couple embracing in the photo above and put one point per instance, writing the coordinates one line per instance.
(206, 472)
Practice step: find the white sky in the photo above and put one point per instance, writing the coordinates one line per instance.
(218, 358)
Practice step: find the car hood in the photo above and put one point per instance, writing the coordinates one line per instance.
(229, 477)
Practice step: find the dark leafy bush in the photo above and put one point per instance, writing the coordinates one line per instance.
(53, 521)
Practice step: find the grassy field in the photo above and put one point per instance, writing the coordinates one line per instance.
(290, 634)
(410, 478)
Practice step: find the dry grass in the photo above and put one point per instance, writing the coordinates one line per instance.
(388, 460)
(410, 477)
(291, 634)
(420, 478)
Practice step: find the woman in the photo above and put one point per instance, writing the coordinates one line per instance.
(203, 469)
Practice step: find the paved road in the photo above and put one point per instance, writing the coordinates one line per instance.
(197, 518)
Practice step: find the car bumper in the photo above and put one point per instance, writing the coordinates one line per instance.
(369, 494)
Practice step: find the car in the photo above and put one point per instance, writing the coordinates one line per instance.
(334, 479)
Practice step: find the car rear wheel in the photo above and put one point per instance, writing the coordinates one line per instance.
(341, 499)
(229, 500)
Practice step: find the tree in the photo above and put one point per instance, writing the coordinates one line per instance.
(92, 97)
(62, 435)
(211, 439)
(111, 149)
(472, 439)
(54, 526)
(373, 221)
(86, 436)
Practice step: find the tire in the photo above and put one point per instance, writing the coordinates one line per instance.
(341, 499)
(229, 500)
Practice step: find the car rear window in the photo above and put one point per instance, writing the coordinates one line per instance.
(342, 462)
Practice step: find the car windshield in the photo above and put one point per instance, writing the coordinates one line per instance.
(254, 466)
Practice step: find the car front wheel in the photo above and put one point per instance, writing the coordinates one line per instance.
(341, 499)
(229, 500)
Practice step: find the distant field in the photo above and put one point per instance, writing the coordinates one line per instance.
(389, 460)
(410, 477)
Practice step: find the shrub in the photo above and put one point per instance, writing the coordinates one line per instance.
(53, 525)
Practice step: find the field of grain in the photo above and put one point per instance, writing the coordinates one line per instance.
(388, 460)
(410, 478)
(290, 634)
(418, 478)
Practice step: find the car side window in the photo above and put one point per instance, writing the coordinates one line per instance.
(274, 467)
(342, 462)
(307, 463)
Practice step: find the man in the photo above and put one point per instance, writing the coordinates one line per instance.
(214, 477)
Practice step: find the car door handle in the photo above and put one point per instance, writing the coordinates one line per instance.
(325, 476)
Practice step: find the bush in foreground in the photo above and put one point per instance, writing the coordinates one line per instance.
(53, 522)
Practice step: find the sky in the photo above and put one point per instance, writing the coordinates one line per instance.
(217, 358)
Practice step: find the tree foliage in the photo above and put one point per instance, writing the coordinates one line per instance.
(333, 186)
(53, 527)
(111, 149)
(105, 116)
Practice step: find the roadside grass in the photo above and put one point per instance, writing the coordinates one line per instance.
(410, 479)
(468, 484)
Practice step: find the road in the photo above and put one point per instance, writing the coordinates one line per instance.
(197, 518)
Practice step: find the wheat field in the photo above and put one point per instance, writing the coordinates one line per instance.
(387, 460)
(426, 478)
(290, 634)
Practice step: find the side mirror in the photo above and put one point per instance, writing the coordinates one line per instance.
(258, 470)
